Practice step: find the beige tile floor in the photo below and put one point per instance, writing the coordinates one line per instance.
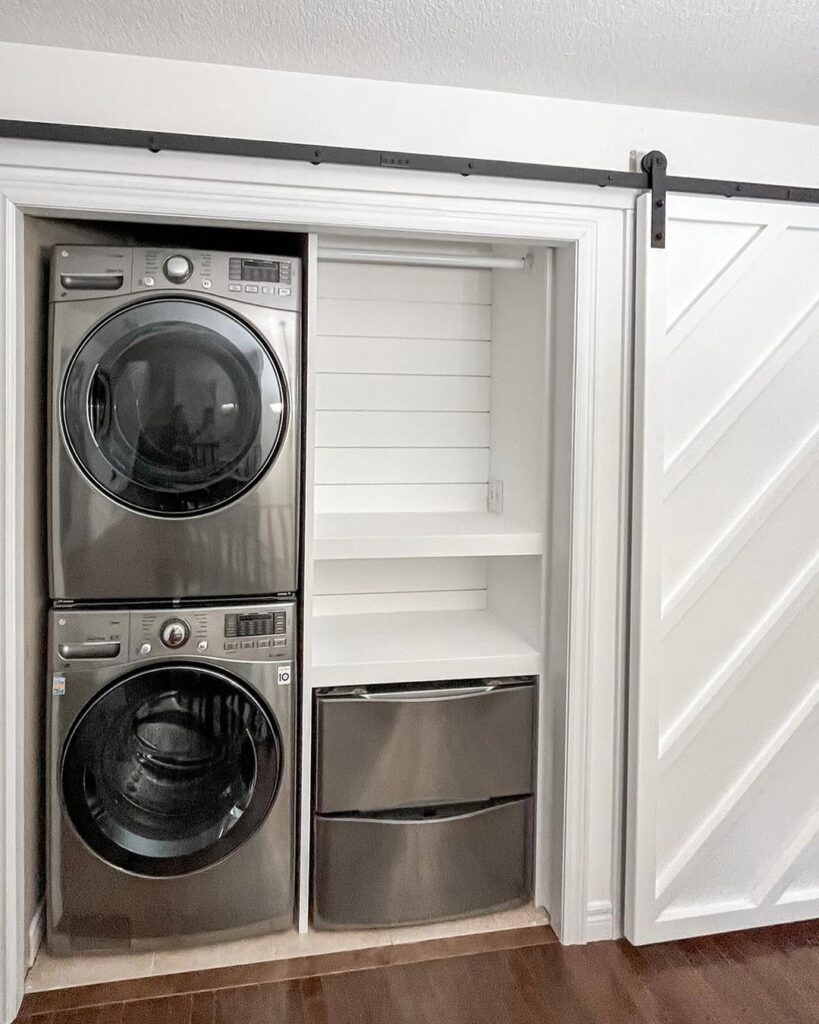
(51, 972)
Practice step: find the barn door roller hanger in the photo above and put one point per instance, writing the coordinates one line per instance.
(652, 177)
(654, 164)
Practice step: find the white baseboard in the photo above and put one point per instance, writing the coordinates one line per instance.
(36, 933)
(599, 921)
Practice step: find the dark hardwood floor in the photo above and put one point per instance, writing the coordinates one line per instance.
(767, 976)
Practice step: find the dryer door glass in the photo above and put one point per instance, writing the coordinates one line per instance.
(174, 407)
(171, 769)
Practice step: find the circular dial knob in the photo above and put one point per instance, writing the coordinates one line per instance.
(174, 633)
(177, 268)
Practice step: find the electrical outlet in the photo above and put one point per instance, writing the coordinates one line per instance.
(494, 496)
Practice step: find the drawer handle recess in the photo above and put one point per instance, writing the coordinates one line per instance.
(420, 696)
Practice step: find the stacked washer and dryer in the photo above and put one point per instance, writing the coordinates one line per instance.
(174, 523)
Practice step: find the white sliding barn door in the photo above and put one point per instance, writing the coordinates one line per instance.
(723, 794)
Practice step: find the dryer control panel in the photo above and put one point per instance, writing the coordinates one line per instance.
(91, 271)
(258, 632)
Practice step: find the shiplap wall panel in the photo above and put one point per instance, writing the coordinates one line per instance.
(399, 584)
(380, 575)
(402, 388)
(420, 356)
(402, 430)
(401, 465)
(400, 601)
(394, 392)
(431, 284)
(406, 497)
(392, 319)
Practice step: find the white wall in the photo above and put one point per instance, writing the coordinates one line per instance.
(73, 86)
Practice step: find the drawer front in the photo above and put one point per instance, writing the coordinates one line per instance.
(409, 748)
(389, 871)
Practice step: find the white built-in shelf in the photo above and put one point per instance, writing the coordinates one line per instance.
(399, 647)
(422, 534)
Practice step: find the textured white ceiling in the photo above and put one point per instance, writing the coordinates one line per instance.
(758, 58)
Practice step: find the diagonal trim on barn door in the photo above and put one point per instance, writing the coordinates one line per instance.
(724, 676)
(720, 555)
(764, 634)
(771, 888)
(729, 274)
(694, 450)
(684, 858)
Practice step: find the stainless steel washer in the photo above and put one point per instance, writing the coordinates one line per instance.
(175, 423)
(171, 742)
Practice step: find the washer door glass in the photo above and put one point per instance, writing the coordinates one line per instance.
(173, 407)
(170, 770)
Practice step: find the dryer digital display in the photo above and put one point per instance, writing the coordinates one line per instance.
(255, 270)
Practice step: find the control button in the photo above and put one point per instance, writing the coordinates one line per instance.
(266, 290)
(284, 291)
(177, 269)
(202, 645)
(263, 643)
(206, 283)
(279, 641)
(148, 282)
(234, 287)
(230, 645)
(246, 644)
(251, 287)
(145, 649)
(174, 633)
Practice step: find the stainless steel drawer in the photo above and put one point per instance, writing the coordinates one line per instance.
(410, 869)
(382, 749)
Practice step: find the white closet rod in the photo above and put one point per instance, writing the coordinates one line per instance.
(423, 259)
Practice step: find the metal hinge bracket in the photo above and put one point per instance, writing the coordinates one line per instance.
(655, 165)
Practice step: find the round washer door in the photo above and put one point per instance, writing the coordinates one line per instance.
(173, 407)
(171, 769)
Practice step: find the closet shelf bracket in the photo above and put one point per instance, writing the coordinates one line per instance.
(655, 166)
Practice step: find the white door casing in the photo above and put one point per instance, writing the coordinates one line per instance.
(723, 801)
(13, 926)
(595, 225)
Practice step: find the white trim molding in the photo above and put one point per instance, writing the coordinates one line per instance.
(99, 182)
(600, 921)
(12, 695)
(36, 933)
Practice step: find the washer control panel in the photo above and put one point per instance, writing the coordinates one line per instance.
(256, 630)
(263, 632)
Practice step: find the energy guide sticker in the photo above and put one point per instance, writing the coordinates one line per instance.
(58, 685)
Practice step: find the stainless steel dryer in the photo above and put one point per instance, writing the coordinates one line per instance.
(175, 423)
(170, 764)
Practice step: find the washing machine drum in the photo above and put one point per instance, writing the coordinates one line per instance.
(173, 407)
(171, 769)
